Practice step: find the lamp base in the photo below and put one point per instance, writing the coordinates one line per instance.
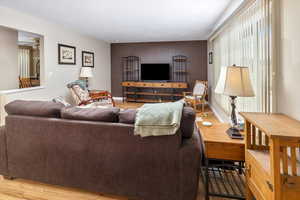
(234, 133)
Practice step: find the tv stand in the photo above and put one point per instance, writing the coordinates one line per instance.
(160, 81)
(153, 91)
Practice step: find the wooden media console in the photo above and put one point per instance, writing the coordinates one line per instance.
(153, 91)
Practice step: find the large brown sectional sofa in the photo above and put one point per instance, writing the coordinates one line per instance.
(92, 150)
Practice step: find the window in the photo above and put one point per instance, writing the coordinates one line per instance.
(246, 41)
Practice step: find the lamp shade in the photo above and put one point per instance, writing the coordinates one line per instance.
(235, 81)
(86, 72)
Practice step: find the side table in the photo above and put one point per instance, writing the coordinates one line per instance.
(223, 173)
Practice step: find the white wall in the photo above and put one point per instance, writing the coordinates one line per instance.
(54, 77)
(218, 111)
(9, 73)
(289, 68)
(57, 76)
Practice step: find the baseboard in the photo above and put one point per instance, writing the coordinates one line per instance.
(217, 114)
(118, 99)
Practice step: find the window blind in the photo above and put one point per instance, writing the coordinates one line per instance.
(246, 41)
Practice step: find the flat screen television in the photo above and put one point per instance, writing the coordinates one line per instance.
(155, 72)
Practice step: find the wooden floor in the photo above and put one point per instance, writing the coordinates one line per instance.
(19, 189)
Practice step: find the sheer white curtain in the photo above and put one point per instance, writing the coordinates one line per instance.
(3, 102)
(246, 41)
(24, 63)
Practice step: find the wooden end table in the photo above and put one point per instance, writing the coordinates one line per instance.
(223, 170)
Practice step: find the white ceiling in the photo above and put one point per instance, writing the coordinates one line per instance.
(131, 20)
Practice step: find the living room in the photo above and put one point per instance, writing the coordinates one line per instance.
(149, 99)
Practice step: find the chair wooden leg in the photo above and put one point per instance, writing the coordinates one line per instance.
(109, 95)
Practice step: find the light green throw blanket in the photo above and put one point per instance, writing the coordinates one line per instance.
(158, 119)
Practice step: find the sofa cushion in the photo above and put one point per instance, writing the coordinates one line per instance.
(186, 125)
(187, 122)
(34, 108)
(127, 116)
(91, 114)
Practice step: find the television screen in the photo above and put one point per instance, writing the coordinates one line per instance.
(155, 72)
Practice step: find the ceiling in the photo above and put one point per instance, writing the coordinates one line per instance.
(131, 20)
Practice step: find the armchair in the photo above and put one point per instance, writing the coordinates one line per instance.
(83, 97)
(198, 96)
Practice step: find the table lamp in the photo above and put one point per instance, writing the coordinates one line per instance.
(234, 81)
(86, 72)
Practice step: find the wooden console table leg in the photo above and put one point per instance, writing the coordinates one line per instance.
(206, 182)
(249, 194)
(8, 178)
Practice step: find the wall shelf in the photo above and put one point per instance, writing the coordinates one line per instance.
(131, 68)
(180, 68)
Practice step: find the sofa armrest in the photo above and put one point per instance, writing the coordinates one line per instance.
(3, 152)
(191, 154)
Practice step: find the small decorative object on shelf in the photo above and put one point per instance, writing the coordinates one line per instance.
(180, 68)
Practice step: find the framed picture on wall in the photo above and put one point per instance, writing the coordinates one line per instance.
(66, 54)
(210, 58)
(87, 59)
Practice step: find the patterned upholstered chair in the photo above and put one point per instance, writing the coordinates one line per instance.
(82, 97)
(198, 96)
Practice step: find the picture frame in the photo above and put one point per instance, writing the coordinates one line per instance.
(87, 59)
(66, 54)
(210, 58)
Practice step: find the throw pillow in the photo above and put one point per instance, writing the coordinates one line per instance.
(61, 100)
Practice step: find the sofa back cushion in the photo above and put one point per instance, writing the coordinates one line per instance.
(127, 116)
(91, 114)
(186, 125)
(34, 108)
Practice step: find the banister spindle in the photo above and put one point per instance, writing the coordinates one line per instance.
(284, 160)
(253, 135)
(293, 161)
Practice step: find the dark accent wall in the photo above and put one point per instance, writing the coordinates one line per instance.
(159, 52)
